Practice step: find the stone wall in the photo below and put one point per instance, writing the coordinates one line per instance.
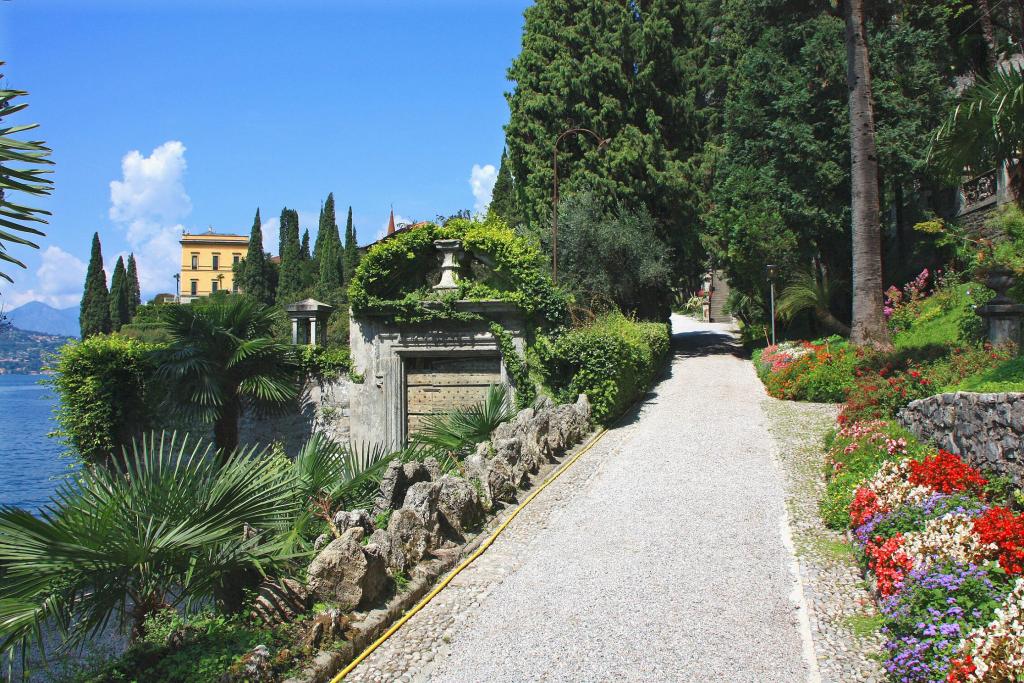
(323, 406)
(984, 429)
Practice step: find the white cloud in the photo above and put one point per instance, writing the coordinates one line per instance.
(149, 203)
(60, 277)
(271, 228)
(481, 180)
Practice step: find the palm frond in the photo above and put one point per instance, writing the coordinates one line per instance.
(460, 429)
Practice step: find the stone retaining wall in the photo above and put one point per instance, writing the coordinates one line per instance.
(984, 429)
(323, 406)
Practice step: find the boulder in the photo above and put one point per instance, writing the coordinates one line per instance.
(397, 479)
(346, 573)
(433, 468)
(325, 627)
(459, 506)
(501, 485)
(584, 409)
(278, 602)
(391, 549)
(350, 520)
(475, 468)
(321, 541)
(422, 499)
(410, 535)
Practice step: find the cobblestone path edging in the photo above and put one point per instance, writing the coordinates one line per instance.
(841, 611)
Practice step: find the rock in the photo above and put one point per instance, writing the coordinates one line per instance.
(433, 468)
(501, 486)
(390, 548)
(350, 520)
(459, 507)
(278, 602)
(411, 536)
(422, 499)
(345, 573)
(254, 667)
(584, 409)
(397, 479)
(321, 541)
(325, 627)
(475, 468)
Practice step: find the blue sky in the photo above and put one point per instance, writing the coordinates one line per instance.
(170, 115)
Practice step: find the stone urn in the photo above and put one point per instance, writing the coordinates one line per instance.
(1000, 279)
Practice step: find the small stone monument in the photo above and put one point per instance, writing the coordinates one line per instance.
(309, 321)
(450, 251)
(1002, 314)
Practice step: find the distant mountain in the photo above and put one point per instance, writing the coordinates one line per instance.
(39, 317)
(26, 353)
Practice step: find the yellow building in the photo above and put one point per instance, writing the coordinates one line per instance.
(206, 263)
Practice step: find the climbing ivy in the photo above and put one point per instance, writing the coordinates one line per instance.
(516, 365)
(392, 279)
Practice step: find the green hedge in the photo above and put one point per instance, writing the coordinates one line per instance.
(104, 397)
(612, 361)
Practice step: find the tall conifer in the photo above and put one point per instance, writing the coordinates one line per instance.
(94, 315)
(503, 201)
(351, 255)
(304, 248)
(119, 296)
(253, 273)
(290, 279)
(134, 290)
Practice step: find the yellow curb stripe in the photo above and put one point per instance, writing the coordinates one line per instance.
(468, 561)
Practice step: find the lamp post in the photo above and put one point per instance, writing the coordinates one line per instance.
(771, 269)
(177, 288)
(601, 142)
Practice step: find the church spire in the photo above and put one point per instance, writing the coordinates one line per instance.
(391, 223)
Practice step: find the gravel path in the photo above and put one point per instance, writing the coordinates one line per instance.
(662, 555)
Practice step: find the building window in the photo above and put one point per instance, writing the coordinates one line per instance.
(195, 287)
(195, 261)
(235, 258)
(216, 261)
(213, 286)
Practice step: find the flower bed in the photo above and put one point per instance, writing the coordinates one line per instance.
(945, 552)
(807, 371)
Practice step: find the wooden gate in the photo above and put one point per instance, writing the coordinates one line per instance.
(438, 384)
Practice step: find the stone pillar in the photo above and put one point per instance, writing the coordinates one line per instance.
(1002, 314)
(312, 332)
(295, 331)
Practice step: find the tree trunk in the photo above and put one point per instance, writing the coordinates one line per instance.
(869, 326)
(225, 429)
(988, 32)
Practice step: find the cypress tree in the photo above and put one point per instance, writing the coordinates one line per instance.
(134, 290)
(330, 280)
(119, 296)
(94, 316)
(350, 258)
(637, 87)
(253, 273)
(290, 279)
(304, 249)
(327, 230)
(503, 201)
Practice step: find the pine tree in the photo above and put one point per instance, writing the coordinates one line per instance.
(304, 248)
(503, 201)
(253, 273)
(94, 316)
(134, 290)
(119, 296)
(350, 259)
(290, 279)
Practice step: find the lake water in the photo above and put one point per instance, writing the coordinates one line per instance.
(30, 461)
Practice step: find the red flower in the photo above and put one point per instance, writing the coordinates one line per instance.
(888, 561)
(1000, 526)
(960, 669)
(864, 506)
(946, 473)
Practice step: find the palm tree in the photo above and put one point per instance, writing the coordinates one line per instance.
(165, 525)
(869, 326)
(986, 129)
(808, 291)
(221, 356)
(460, 429)
(30, 156)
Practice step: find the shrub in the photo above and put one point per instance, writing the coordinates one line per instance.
(323, 362)
(105, 397)
(1008, 376)
(819, 371)
(612, 361)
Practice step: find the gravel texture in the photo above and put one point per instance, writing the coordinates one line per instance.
(661, 555)
(842, 615)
